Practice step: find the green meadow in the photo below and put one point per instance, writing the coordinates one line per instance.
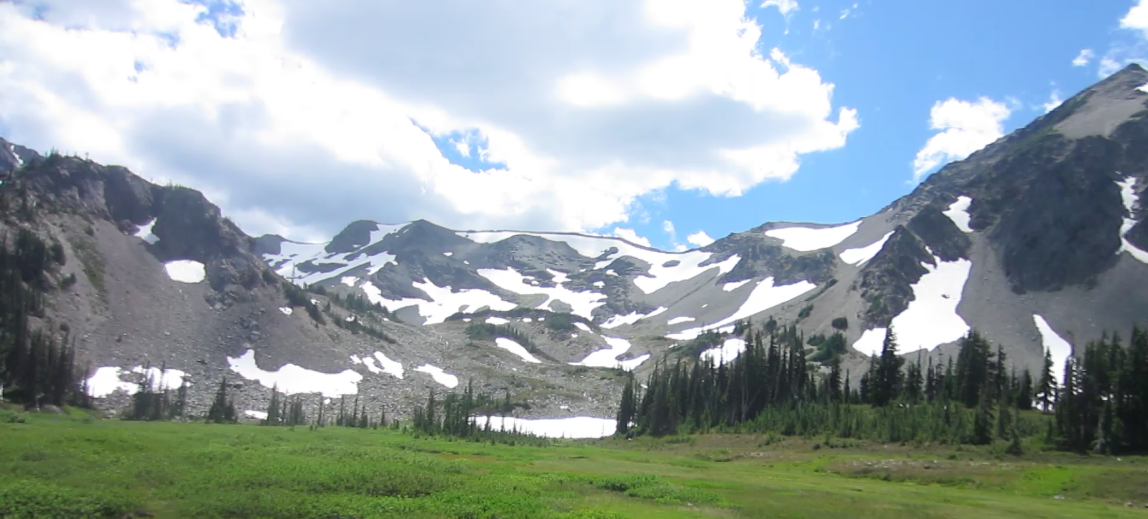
(75, 466)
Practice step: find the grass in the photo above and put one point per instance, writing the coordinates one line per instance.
(73, 466)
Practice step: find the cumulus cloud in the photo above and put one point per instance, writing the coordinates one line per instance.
(298, 116)
(700, 239)
(631, 236)
(1136, 18)
(1083, 58)
(964, 127)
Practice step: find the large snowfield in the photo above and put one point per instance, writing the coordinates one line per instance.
(292, 379)
(570, 428)
(807, 239)
(931, 318)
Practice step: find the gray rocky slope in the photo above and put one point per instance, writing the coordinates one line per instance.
(1044, 222)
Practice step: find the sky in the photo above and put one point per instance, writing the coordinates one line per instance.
(666, 122)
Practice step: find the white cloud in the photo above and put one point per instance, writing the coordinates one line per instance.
(784, 6)
(1054, 101)
(816, 24)
(668, 228)
(1083, 58)
(631, 236)
(844, 14)
(579, 108)
(700, 239)
(1136, 18)
(1108, 66)
(965, 127)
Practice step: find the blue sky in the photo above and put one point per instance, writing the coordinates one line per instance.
(628, 117)
(892, 61)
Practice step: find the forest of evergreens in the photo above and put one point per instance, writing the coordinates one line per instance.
(976, 398)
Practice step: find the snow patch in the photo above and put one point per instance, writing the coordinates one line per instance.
(570, 428)
(931, 318)
(356, 360)
(19, 161)
(1142, 88)
(583, 327)
(390, 367)
(958, 212)
(608, 358)
(517, 349)
(599, 284)
(349, 280)
(581, 303)
(286, 310)
(527, 320)
(730, 287)
(862, 254)
(448, 254)
(293, 379)
(631, 318)
(185, 271)
(258, 415)
(1128, 196)
(727, 352)
(107, 380)
(679, 320)
(496, 320)
(292, 254)
(444, 303)
(440, 376)
(1054, 343)
(764, 296)
(805, 239)
(145, 233)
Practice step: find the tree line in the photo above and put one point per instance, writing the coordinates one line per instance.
(976, 398)
(36, 367)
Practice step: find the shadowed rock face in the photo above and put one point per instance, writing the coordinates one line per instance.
(886, 281)
(354, 237)
(940, 234)
(1064, 229)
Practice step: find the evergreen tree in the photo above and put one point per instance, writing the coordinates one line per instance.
(626, 408)
(1046, 388)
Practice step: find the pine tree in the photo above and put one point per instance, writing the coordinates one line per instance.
(626, 408)
(1046, 388)
(273, 417)
(222, 410)
(888, 371)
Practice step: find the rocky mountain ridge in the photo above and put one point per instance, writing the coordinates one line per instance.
(1042, 226)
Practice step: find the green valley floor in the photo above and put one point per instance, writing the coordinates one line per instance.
(74, 466)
